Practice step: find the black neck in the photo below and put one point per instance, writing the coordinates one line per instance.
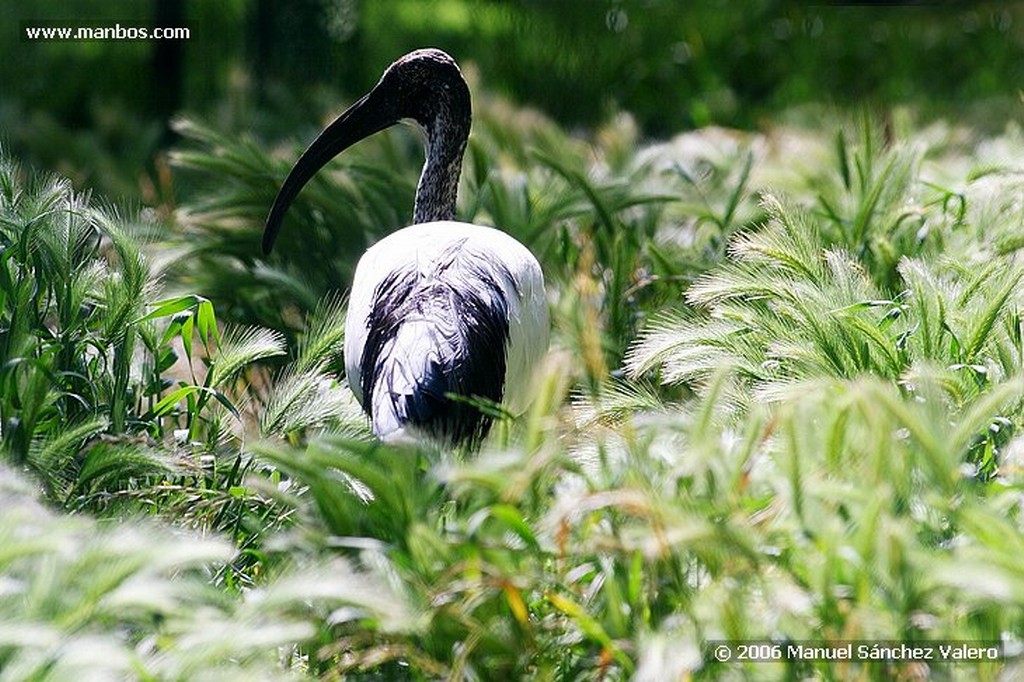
(425, 86)
(439, 182)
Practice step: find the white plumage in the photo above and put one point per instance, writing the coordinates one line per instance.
(443, 316)
(425, 249)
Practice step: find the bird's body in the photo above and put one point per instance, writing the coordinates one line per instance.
(444, 317)
(438, 309)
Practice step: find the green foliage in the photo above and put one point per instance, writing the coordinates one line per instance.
(95, 398)
(595, 220)
(73, 284)
(858, 287)
(84, 599)
(337, 216)
(789, 307)
(672, 64)
(842, 513)
(815, 436)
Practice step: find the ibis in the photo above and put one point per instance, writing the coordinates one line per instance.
(444, 317)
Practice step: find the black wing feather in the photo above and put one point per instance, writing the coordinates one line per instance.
(460, 312)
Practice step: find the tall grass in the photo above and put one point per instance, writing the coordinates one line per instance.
(115, 398)
(780, 405)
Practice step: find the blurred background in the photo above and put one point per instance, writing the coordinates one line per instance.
(99, 111)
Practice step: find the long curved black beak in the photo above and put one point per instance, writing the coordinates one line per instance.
(364, 118)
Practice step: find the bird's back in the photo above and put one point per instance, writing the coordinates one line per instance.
(438, 309)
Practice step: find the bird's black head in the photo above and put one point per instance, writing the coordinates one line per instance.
(425, 86)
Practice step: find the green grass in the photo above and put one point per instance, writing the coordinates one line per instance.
(783, 402)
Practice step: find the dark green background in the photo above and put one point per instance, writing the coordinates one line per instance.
(270, 66)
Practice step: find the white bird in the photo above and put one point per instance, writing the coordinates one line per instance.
(442, 311)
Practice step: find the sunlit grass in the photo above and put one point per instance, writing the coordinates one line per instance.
(783, 402)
